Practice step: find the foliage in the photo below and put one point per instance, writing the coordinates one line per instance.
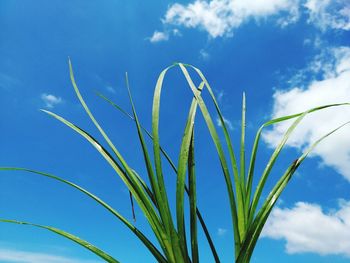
(248, 218)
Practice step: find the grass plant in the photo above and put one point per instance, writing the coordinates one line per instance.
(247, 211)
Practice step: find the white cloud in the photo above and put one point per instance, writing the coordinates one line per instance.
(227, 122)
(159, 36)
(220, 17)
(326, 14)
(204, 54)
(220, 96)
(306, 228)
(333, 86)
(18, 256)
(50, 100)
(7, 82)
(110, 89)
(176, 32)
(220, 99)
(221, 231)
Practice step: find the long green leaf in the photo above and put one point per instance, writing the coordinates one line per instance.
(135, 230)
(175, 242)
(126, 167)
(151, 215)
(261, 218)
(226, 133)
(193, 201)
(132, 182)
(278, 149)
(255, 228)
(258, 135)
(166, 155)
(146, 188)
(162, 204)
(181, 170)
(152, 178)
(242, 208)
(212, 130)
(76, 239)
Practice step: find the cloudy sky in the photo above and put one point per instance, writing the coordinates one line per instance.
(286, 55)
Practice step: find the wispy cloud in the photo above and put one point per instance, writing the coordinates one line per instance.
(220, 96)
(329, 14)
(110, 89)
(306, 228)
(176, 32)
(221, 231)
(204, 54)
(331, 86)
(220, 17)
(159, 36)
(50, 100)
(19, 256)
(7, 81)
(227, 122)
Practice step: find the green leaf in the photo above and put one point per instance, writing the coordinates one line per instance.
(161, 203)
(135, 230)
(175, 242)
(133, 181)
(181, 170)
(215, 137)
(76, 239)
(166, 155)
(242, 207)
(262, 216)
(130, 180)
(193, 201)
(277, 151)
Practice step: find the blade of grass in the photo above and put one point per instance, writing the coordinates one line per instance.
(128, 170)
(258, 135)
(237, 181)
(98, 252)
(242, 209)
(261, 218)
(132, 207)
(221, 155)
(145, 187)
(97, 125)
(254, 229)
(162, 204)
(166, 155)
(151, 214)
(181, 171)
(275, 154)
(224, 127)
(181, 168)
(175, 241)
(242, 150)
(152, 179)
(193, 201)
(209, 239)
(134, 229)
(130, 181)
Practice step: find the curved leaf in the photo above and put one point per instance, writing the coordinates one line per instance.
(135, 230)
(76, 239)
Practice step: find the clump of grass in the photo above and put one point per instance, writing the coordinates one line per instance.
(169, 227)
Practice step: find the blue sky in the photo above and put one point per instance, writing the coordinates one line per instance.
(287, 55)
